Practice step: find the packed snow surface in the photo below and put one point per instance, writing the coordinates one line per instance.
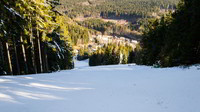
(117, 88)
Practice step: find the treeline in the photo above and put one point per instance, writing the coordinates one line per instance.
(33, 38)
(133, 8)
(112, 54)
(84, 53)
(174, 39)
(98, 24)
(109, 28)
(116, 8)
(78, 34)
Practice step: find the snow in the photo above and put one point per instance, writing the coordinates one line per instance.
(117, 88)
(81, 64)
(13, 11)
(57, 46)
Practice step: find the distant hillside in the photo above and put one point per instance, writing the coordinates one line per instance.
(117, 18)
(129, 15)
(114, 8)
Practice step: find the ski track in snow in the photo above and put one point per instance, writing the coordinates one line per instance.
(116, 88)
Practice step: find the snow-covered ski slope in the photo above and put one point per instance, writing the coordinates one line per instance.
(119, 88)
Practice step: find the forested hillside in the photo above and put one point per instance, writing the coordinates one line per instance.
(151, 49)
(117, 8)
(174, 39)
(33, 38)
(111, 54)
(38, 36)
(129, 15)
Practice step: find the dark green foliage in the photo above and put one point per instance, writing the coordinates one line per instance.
(27, 43)
(132, 57)
(114, 8)
(133, 11)
(97, 24)
(78, 34)
(83, 54)
(2, 71)
(110, 54)
(109, 28)
(153, 40)
(174, 39)
(59, 52)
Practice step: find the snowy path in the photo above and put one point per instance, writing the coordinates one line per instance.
(120, 88)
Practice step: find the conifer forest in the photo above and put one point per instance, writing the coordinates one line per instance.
(40, 36)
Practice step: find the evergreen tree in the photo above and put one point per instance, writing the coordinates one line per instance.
(110, 54)
(174, 39)
(24, 29)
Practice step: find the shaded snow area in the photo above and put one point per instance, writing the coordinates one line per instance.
(120, 88)
(81, 64)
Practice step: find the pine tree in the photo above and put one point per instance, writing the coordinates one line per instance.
(24, 26)
(174, 39)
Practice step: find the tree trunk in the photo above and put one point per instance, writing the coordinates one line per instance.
(1, 58)
(44, 57)
(32, 53)
(24, 56)
(38, 50)
(16, 57)
(7, 58)
(1, 52)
